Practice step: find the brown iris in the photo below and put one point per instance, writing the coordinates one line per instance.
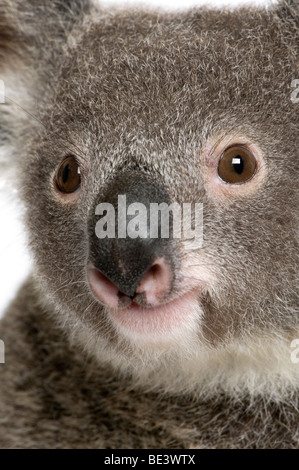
(237, 165)
(68, 177)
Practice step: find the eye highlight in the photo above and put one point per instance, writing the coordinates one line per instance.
(237, 165)
(68, 177)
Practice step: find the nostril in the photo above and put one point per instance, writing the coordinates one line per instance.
(102, 288)
(155, 270)
(156, 282)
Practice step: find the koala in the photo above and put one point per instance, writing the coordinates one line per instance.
(140, 341)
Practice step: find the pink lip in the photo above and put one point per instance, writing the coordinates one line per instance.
(158, 320)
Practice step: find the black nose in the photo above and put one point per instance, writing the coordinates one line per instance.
(126, 257)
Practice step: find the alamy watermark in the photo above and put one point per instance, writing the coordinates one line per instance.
(158, 220)
(295, 93)
(295, 352)
(2, 92)
(2, 352)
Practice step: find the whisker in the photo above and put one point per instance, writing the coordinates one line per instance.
(68, 284)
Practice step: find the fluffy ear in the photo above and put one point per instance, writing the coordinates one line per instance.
(27, 26)
(32, 36)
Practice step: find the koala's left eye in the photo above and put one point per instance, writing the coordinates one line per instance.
(68, 178)
(237, 165)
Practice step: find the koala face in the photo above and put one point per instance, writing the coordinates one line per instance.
(163, 108)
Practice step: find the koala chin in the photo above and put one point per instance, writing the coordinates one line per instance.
(156, 157)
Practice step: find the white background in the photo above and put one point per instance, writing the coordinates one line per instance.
(14, 260)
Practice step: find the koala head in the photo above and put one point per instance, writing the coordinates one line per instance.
(176, 108)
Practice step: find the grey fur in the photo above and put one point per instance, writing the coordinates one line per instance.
(145, 91)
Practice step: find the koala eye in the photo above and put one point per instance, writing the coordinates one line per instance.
(237, 165)
(68, 178)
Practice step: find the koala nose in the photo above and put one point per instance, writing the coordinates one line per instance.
(125, 265)
(153, 286)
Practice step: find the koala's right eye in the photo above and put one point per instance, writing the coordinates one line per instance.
(68, 177)
(237, 165)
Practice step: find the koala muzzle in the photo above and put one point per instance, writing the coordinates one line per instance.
(130, 259)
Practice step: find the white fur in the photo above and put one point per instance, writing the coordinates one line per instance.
(257, 365)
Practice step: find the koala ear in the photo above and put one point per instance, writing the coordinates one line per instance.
(30, 24)
(32, 36)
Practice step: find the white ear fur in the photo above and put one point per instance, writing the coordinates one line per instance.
(30, 33)
(17, 114)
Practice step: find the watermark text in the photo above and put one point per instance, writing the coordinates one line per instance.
(158, 220)
(2, 92)
(295, 352)
(295, 93)
(2, 352)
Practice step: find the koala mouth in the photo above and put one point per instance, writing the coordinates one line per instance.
(151, 289)
(160, 321)
(149, 310)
